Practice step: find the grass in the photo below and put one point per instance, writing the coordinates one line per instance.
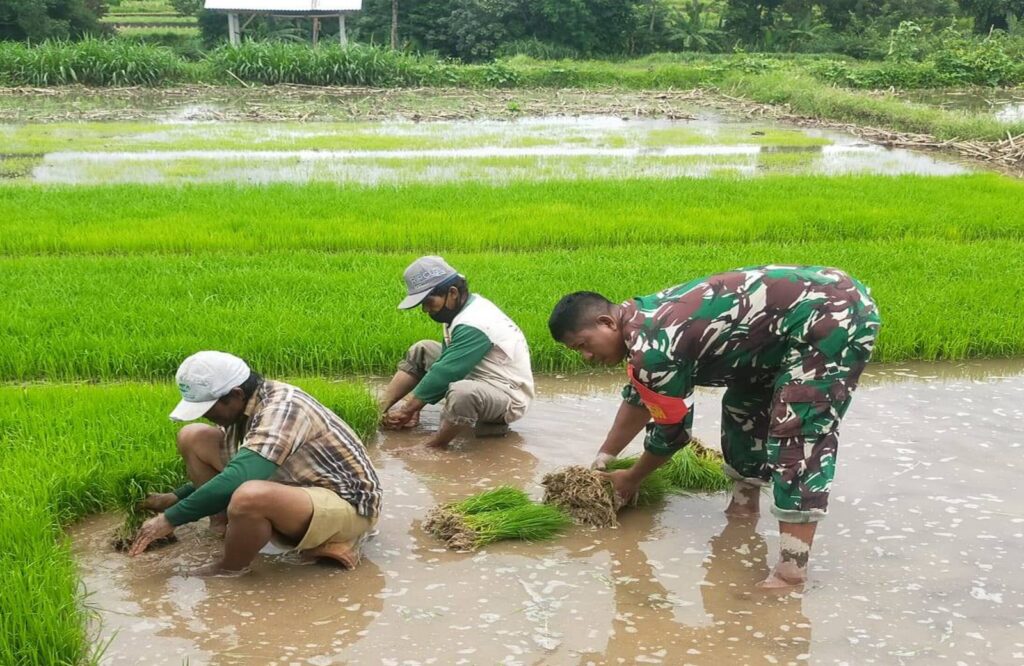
(801, 82)
(807, 96)
(72, 450)
(168, 19)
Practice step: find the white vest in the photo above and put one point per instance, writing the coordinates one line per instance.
(507, 365)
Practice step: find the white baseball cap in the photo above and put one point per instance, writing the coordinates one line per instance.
(204, 377)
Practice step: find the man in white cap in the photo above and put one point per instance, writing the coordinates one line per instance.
(279, 464)
(481, 370)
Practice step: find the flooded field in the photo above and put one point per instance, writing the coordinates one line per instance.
(918, 563)
(1005, 105)
(399, 151)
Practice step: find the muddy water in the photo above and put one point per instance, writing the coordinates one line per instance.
(1004, 105)
(555, 147)
(918, 563)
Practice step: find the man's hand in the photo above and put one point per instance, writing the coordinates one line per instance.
(406, 415)
(601, 461)
(624, 482)
(158, 501)
(155, 528)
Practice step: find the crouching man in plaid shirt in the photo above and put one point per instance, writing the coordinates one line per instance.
(279, 466)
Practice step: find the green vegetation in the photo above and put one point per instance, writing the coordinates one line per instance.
(806, 96)
(696, 469)
(124, 282)
(38, 138)
(494, 515)
(73, 450)
(502, 497)
(149, 221)
(653, 489)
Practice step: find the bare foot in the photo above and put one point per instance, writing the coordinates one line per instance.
(159, 501)
(735, 510)
(746, 501)
(215, 570)
(776, 581)
(219, 524)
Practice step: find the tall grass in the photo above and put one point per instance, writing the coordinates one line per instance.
(91, 61)
(476, 217)
(72, 450)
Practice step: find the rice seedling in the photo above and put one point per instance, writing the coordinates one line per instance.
(531, 216)
(66, 316)
(445, 520)
(130, 493)
(502, 497)
(696, 468)
(529, 522)
(654, 488)
(494, 515)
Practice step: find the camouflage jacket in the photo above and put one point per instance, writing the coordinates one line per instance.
(733, 328)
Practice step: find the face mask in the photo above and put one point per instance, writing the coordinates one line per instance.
(445, 315)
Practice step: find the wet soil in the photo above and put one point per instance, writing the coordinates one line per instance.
(918, 562)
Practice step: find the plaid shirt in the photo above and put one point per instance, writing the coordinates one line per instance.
(310, 444)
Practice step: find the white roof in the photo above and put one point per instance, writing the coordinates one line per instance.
(286, 5)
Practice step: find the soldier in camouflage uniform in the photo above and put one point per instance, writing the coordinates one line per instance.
(788, 343)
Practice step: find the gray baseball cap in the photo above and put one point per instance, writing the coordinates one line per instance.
(422, 276)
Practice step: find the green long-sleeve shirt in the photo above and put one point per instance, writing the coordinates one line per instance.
(213, 496)
(468, 347)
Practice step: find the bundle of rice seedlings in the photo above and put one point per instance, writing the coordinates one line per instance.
(445, 521)
(129, 498)
(696, 468)
(530, 522)
(654, 488)
(583, 494)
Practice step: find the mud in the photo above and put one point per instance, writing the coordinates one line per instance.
(918, 563)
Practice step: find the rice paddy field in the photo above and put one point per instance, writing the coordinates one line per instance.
(127, 245)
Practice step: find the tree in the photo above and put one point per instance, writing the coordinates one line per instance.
(37, 20)
(993, 14)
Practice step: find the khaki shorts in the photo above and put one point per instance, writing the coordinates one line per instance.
(334, 521)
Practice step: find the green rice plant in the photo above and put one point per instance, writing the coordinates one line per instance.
(498, 499)
(129, 494)
(696, 469)
(130, 219)
(655, 487)
(73, 450)
(446, 520)
(66, 317)
(531, 522)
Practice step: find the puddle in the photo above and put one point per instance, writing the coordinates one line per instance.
(480, 150)
(918, 563)
(1004, 105)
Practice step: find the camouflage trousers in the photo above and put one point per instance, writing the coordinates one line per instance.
(785, 430)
